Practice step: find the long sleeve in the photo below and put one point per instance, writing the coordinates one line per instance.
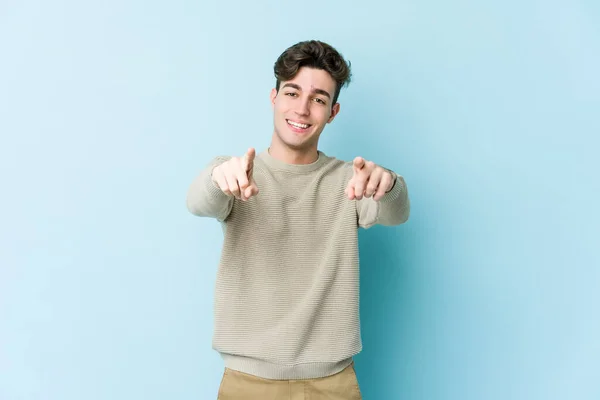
(205, 198)
(392, 209)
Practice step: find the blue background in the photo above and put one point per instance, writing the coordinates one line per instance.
(490, 110)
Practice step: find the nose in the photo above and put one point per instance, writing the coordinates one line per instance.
(303, 106)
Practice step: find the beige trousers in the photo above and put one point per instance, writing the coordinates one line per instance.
(237, 385)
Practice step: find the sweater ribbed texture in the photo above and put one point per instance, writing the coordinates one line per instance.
(287, 289)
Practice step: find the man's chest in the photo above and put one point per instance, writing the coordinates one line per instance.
(305, 208)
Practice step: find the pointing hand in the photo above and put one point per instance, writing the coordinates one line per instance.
(234, 177)
(369, 179)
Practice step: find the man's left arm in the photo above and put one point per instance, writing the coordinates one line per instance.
(381, 195)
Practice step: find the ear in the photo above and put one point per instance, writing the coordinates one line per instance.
(334, 111)
(273, 96)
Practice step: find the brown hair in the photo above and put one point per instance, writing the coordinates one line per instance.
(313, 54)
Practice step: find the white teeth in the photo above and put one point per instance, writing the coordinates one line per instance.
(301, 126)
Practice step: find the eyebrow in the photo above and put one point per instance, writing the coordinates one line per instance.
(319, 91)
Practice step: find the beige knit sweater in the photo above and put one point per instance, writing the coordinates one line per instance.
(287, 289)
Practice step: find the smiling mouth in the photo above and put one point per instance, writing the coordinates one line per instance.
(297, 125)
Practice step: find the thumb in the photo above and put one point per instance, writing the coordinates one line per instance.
(249, 159)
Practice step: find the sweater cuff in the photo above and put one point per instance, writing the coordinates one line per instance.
(396, 191)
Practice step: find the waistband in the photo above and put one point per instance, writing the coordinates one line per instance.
(268, 370)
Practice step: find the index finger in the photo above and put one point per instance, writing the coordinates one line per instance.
(249, 159)
(358, 163)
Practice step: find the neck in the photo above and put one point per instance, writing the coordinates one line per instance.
(292, 156)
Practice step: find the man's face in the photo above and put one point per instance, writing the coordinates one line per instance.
(302, 108)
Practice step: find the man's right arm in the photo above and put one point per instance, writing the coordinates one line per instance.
(205, 198)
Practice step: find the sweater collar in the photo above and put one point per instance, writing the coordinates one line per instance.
(274, 163)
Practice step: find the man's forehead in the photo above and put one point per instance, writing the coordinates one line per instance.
(320, 76)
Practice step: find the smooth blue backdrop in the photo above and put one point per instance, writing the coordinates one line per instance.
(489, 109)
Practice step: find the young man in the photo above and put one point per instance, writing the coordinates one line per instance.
(287, 290)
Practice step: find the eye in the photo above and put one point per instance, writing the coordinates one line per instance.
(291, 94)
(319, 100)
